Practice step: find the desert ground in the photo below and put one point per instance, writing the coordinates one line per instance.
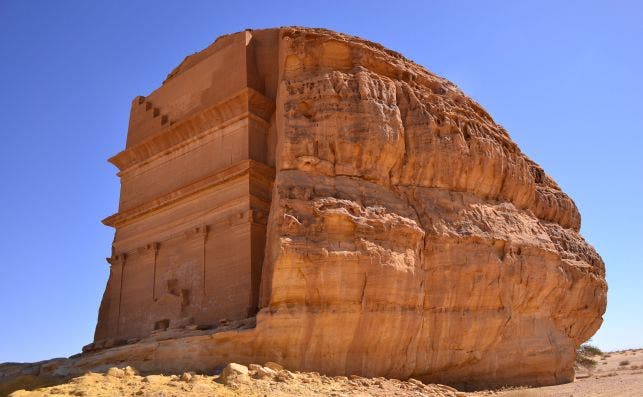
(615, 374)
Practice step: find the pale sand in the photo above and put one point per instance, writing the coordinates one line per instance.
(611, 377)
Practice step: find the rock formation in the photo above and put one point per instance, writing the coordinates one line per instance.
(370, 216)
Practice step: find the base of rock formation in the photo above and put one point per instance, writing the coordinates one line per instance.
(269, 379)
(613, 374)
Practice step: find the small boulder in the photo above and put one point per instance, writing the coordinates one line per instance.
(416, 382)
(273, 366)
(264, 372)
(115, 372)
(284, 376)
(155, 379)
(232, 373)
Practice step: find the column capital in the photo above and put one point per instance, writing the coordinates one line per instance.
(199, 231)
(118, 259)
(151, 247)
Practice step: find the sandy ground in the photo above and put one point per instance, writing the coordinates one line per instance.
(616, 374)
(281, 383)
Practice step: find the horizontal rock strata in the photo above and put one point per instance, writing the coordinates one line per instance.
(406, 234)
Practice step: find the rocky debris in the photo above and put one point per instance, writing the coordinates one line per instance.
(186, 377)
(238, 380)
(284, 376)
(155, 379)
(273, 366)
(259, 372)
(233, 373)
(116, 372)
(121, 372)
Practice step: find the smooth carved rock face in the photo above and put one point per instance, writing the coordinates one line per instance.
(408, 236)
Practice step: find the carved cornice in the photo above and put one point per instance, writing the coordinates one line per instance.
(247, 103)
(253, 168)
(118, 259)
(255, 217)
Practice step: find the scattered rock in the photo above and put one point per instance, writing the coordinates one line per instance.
(273, 366)
(115, 372)
(265, 372)
(232, 373)
(416, 382)
(155, 379)
(284, 376)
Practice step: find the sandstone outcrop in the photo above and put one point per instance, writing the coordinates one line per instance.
(409, 236)
(371, 217)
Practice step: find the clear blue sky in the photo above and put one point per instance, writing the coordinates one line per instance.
(564, 77)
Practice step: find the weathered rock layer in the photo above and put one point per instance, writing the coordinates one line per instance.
(407, 235)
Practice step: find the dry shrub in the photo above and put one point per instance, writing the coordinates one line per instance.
(589, 350)
(584, 356)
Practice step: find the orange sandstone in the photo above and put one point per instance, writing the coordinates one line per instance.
(350, 212)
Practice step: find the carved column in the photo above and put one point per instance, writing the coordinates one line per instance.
(118, 263)
(151, 248)
(200, 232)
